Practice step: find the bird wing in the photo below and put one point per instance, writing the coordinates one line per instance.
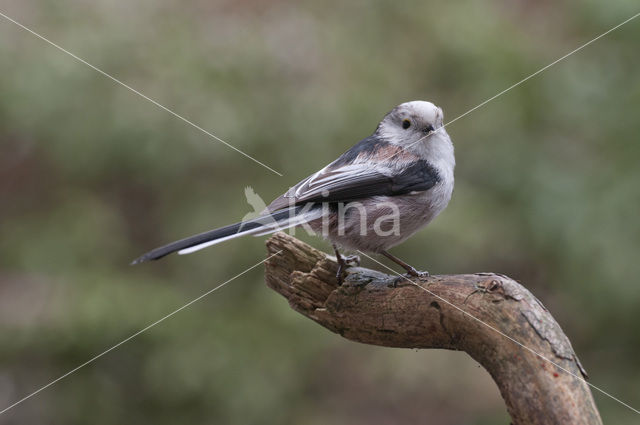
(339, 182)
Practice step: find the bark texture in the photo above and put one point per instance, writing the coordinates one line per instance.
(445, 312)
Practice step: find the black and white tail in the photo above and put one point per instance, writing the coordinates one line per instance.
(262, 225)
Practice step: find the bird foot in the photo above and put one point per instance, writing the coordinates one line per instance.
(352, 260)
(344, 261)
(420, 274)
(410, 276)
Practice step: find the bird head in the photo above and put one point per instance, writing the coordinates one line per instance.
(411, 122)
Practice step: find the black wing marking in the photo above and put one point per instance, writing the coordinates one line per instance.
(345, 184)
(356, 181)
(362, 171)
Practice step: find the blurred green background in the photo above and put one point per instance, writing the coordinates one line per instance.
(91, 176)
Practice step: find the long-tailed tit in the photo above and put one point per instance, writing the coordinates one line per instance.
(373, 197)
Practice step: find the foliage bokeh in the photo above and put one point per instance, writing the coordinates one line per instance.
(91, 175)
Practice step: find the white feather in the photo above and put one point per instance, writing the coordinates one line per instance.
(272, 227)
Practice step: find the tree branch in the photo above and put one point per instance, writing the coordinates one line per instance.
(368, 308)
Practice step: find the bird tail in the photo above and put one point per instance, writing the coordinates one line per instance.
(262, 225)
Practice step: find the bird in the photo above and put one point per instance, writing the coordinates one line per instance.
(371, 198)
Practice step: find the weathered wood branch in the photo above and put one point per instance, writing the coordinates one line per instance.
(368, 308)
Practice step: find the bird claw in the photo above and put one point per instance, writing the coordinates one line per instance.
(352, 260)
(420, 274)
(409, 276)
(344, 261)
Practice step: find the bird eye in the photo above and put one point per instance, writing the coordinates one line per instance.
(406, 123)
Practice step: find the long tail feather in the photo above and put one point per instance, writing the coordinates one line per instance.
(279, 220)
